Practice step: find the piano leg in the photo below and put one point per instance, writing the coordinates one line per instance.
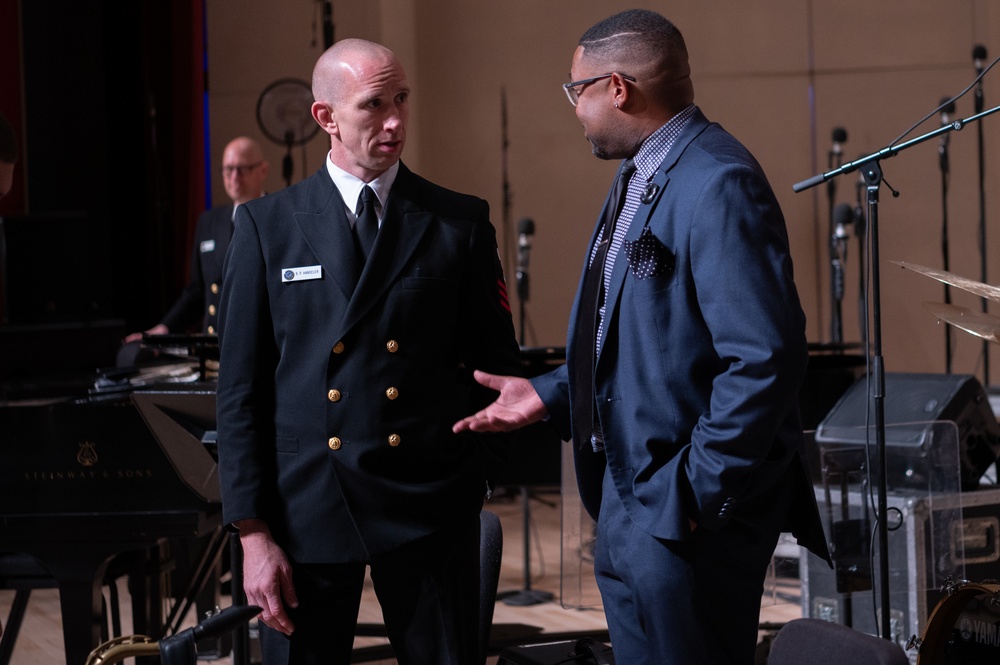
(81, 603)
(14, 619)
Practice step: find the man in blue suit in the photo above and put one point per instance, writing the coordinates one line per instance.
(685, 355)
(356, 305)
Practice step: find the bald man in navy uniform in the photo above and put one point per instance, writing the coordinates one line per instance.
(343, 366)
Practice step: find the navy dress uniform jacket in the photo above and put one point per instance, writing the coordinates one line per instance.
(335, 402)
(198, 303)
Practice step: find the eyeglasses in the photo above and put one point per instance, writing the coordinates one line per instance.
(574, 95)
(240, 169)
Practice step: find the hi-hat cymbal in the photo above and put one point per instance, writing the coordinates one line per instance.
(980, 289)
(979, 324)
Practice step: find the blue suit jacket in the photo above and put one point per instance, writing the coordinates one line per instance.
(703, 355)
(335, 403)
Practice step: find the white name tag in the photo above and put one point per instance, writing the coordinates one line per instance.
(301, 274)
(207, 246)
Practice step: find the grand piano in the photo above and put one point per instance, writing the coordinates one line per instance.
(102, 484)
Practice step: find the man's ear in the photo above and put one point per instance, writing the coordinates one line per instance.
(621, 90)
(322, 113)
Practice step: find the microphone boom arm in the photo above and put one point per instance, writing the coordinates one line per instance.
(890, 151)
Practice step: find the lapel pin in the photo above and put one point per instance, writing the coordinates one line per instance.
(650, 193)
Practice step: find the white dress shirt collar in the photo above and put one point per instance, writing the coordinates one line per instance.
(350, 187)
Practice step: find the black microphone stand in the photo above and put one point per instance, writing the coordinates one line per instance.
(523, 288)
(526, 595)
(978, 97)
(871, 169)
(873, 178)
(945, 171)
(861, 231)
(328, 28)
(836, 265)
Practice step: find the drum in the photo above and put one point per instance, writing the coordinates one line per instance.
(964, 628)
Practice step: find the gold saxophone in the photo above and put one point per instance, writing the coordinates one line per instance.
(118, 649)
(177, 649)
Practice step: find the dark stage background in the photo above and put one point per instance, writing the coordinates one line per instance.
(107, 101)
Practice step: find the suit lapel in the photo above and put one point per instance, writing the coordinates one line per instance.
(575, 323)
(403, 225)
(659, 181)
(328, 232)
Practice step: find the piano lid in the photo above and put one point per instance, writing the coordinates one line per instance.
(183, 423)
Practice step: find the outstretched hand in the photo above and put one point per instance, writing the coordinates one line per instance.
(518, 405)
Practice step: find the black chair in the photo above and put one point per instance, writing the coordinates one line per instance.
(490, 554)
(818, 642)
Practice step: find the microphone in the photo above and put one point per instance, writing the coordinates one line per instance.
(525, 229)
(843, 215)
(836, 151)
(978, 56)
(947, 106)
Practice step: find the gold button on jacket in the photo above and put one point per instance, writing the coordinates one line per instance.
(334, 443)
(394, 440)
(333, 395)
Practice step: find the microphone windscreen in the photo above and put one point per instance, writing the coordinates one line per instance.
(526, 226)
(979, 52)
(842, 214)
(947, 105)
(839, 135)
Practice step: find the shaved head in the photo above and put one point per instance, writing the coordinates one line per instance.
(361, 100)
(345, 61)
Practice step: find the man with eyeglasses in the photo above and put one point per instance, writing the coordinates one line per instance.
(244, 170)
(685, 355)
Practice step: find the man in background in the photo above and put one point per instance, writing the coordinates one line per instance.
(244, 170)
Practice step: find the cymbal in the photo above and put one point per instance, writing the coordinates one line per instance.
(979, 324)
(980, 289)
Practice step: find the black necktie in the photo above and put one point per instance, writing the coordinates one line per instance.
(367, 225)
(584, 344)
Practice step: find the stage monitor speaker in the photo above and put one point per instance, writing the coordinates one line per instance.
(919, 399)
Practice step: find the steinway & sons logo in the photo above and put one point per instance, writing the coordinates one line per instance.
(88, 459)
(88, 454)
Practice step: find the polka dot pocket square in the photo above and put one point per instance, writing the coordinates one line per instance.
(647, 256)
